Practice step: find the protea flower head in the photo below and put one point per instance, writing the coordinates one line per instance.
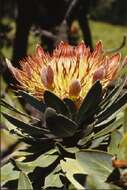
(69, 72)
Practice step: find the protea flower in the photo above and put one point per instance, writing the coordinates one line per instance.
(69, 72)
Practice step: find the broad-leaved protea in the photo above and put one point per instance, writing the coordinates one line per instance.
(66, 88)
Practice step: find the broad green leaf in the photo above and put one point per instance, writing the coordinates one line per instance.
(39, 105)
(24, 183)
(56, 103)
(90, 103)
(113, 147)
(95, 163)
(112, 96)
(72, 149)
(10, 97)
(42, 161)
(125, 120)
(85, 139)
(49, 112)
(7, 153)
(71, 107)
(123, 147)
(67, 152)
(97, 142)
(10, 145)
(12, 108)
(61, 126)
(20, 153)
(6, 139)
(72, 167)
(87, 129)
(106, 100)
(112, 127)
(53, 179)
(113, 108)
(8, 173)
(105, 123)
(45, 160)
(95, 183)
(27, 128)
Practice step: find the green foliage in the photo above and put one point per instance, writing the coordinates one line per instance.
(24, 182)
(71, 167)
(98, 165)
(27, 128)
(53, 179)
(8, 173)
(61, 126)
(90, 103)
(51, 100)
(57, 142)
(39, 105)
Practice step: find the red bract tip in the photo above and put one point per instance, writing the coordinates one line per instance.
(39, 50)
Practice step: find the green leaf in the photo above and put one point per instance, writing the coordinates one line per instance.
(112, 96)
(8, 173)
(71, 107)
(9, 150)
(72, 167)
(114, 143)
(83, 141)
(49, 112)
(113, 108)
(27, 128)
(24, 182)
(123, 147)
(90, 103)
(56, 103)
(39, 105)
(96, 183)
(61, 126)
(67, 152)
(97, 142)
(125, 120)
(43, 161)
(110, 128)
(53, 179)
(105, 123)
(106, 100)
(95, 163)
(10, 107)
(70, 150)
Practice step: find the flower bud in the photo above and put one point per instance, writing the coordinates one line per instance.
(75, 88)
(99, 74)
(47, 76)
(39, 50)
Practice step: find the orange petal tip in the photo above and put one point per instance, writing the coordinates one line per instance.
(39, 50)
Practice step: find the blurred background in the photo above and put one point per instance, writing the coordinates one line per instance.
(23, 24)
